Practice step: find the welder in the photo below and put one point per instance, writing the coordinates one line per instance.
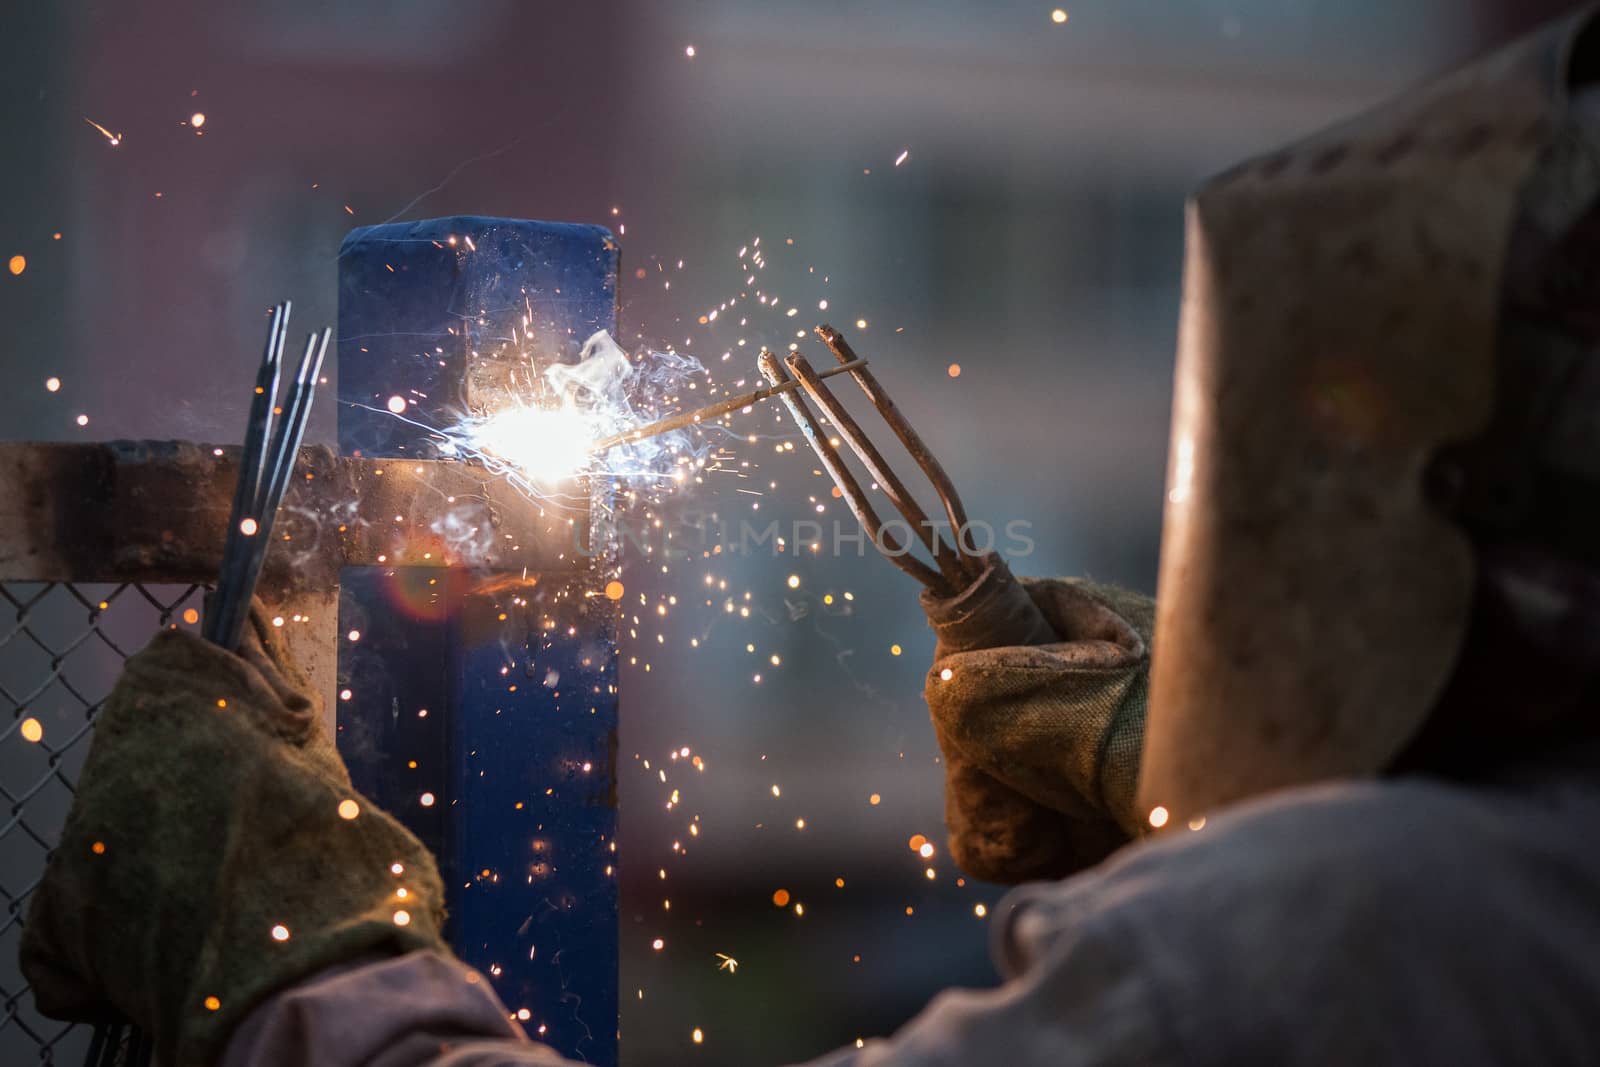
(1337, 793)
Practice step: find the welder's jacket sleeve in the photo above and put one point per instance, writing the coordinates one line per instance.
(1391, 922)
(1037, 694)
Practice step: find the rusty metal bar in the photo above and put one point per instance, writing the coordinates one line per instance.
(157, 511)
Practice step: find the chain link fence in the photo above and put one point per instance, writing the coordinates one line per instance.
(62, 646)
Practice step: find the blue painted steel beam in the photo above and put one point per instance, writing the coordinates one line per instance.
(482, 708)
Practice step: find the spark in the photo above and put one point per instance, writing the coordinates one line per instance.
(114, 138)
(397, 405)
(954, 370)
(902, 157)
(348, 809)
(32, 731)
(198, 119)
(1158, 816)
(728, 963)
(18, 264)
(545, 445)
(689, 51)
(280, 932)
(1058, 16)
(52, 385)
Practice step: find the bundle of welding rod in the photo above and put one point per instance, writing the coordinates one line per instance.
(271, 445)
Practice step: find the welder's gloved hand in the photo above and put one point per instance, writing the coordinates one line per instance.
(216, 853)
(1037, 693)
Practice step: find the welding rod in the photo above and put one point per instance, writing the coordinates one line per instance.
(252, 458)
(237, 587)
(265, 465)
(721, 407)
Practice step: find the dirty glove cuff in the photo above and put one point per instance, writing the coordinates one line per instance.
(216, 853)
(1037, 695)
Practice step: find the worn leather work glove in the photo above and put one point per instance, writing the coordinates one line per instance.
(215, 853)
(1037, 694)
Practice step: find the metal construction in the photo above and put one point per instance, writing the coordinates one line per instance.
(453, 625)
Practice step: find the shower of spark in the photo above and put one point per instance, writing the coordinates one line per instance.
(542, 430)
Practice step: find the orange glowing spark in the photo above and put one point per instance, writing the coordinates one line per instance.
(52, 385)
(32, 731)
(114, 138)
(728, 963)
(1058, 16)
(954, 370)
(198, 119)
(18, 264)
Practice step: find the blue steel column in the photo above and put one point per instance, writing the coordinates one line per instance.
(482, 708)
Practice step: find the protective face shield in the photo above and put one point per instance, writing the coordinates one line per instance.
(1345, 324)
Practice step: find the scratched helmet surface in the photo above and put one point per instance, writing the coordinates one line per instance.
(1345, 323)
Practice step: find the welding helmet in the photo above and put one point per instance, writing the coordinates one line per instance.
(1387, 330)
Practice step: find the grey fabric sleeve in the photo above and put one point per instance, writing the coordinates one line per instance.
(422, 1009)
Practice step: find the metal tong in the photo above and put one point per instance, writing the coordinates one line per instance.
(955, 565)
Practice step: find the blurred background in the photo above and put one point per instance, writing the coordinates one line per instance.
(989, 195)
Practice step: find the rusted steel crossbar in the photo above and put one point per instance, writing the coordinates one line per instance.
(148, 511)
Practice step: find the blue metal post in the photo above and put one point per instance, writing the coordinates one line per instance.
(481, 708)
